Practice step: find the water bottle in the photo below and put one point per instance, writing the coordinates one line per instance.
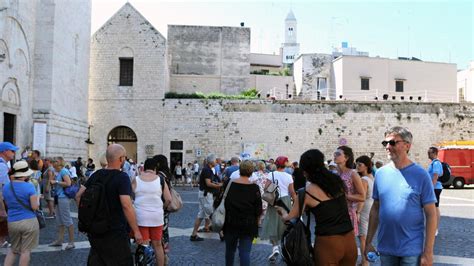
(373, 256)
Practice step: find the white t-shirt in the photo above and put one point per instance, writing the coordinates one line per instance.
(283, 180)
(73, 172)
(196, 168)
(236, 174)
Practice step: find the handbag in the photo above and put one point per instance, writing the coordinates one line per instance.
(72, 190)
(271, 193)
(39, 214)
(176, 202)
(218, 217)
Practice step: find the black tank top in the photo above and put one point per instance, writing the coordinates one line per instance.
(331, 216)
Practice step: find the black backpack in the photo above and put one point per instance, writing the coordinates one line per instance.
(93, 210)
(296, 245)
(446, 173)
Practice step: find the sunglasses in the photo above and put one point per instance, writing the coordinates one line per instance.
(337, 153)
(391, 142)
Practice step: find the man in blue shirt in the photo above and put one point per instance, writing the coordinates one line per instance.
(7, 153)
(403, 195)
(234, 161)
(435, 170)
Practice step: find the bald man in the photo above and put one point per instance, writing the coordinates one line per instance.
(112, 247)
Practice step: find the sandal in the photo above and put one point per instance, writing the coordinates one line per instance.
(204, 230)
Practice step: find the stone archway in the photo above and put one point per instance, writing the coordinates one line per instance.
(126, 137)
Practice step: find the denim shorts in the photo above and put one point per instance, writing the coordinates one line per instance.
(402, 261)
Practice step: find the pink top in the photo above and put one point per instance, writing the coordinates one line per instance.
(351, 205)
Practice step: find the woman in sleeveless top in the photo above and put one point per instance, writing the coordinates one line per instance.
(344, 158)
(163, 170)
(326, 199)
(149, 207)
(364, 167)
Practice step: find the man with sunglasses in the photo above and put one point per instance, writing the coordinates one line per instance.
(403, 195)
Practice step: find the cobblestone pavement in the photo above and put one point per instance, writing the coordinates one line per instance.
(453, 244)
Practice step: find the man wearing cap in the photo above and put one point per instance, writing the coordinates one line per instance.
(7, 153)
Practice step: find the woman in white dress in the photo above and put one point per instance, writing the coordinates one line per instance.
(364, 167)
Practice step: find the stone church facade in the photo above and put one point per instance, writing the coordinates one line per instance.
(127, 111)
(44, 67)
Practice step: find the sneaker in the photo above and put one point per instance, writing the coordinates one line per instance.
(196, 238)
(5, 245)
(275, 253)
(70, 246)
(56, 244)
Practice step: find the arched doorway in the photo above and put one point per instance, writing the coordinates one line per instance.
(126, 137)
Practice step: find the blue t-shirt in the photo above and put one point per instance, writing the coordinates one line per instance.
(24, 190)
(60, 178)
(229, 170)
(402, 193)
(4, 172)
(436, 167)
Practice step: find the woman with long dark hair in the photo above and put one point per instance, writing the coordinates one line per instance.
(364, 167)
(163, 170)
(325, 198)
(344, 158)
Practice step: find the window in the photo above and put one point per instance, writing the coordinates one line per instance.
(126, 71)
(176, 145)
(398, 85)
(461, 95)
(364, 84)
(265, 71)
(322, 85)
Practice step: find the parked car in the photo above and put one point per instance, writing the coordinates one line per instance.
(461, 161)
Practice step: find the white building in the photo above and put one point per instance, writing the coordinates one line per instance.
(44, 67)
(312, 76)
(466, 84)
(370, 78)
(346, 50)
(290, 48)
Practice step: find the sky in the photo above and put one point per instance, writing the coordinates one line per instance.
(437, 31)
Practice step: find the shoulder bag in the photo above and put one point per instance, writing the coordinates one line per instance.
(218, 217)
(39, 214)
(176, 202)
(271, 193)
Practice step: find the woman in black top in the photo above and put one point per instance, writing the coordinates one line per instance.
(243, 206)
(325, 198)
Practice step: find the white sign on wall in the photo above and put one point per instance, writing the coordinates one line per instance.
(39, 137)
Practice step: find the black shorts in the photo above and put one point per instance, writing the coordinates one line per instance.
(437, 193)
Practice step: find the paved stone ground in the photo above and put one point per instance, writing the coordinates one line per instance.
(453, 244)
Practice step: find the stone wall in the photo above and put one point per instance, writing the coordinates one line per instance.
(219, 53)
(17, 44)
(289, 128)
(62, 73)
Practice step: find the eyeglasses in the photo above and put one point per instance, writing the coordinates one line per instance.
(391, 142)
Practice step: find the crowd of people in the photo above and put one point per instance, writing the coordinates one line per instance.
(349, 198)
